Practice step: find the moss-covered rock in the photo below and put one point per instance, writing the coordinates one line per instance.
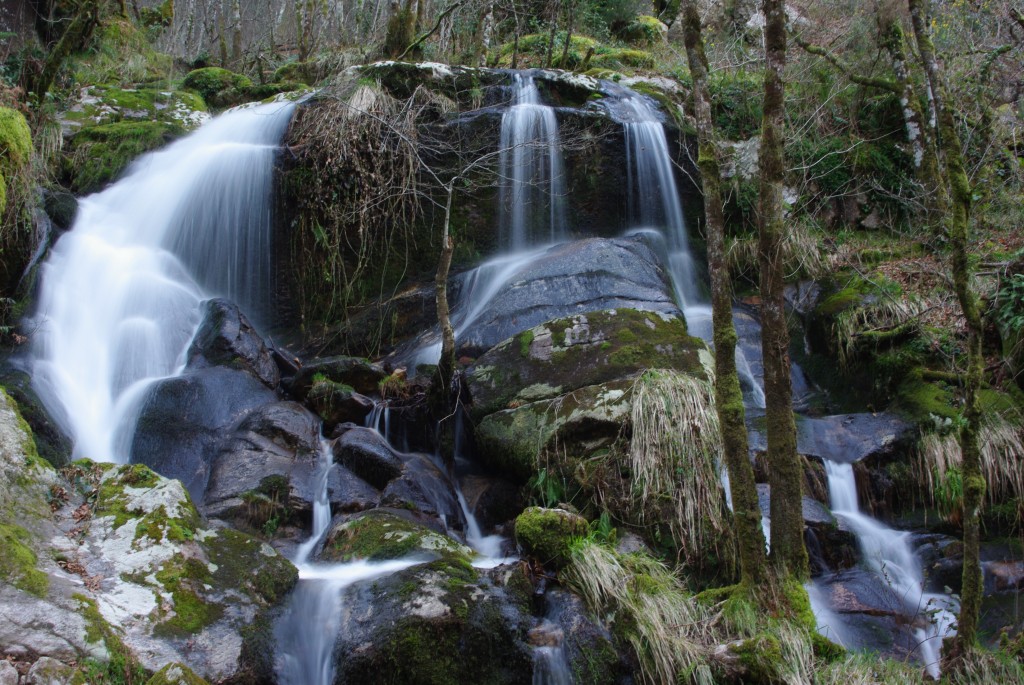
(15, 141)
(100, 154)
(580, 424)
(547, 534)
(18, 561)
(566, 354)
(383, 534)
(218, 87)
(644, 31)
(439, 623)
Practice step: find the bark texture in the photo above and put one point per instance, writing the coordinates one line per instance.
(787, 544)
(958, 232)
(728, 396)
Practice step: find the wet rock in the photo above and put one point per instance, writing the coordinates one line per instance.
(275, 450)
(348, 493)
(493, 501)
(184, 422)
(383, 534)
(359, 374)
(588, 645)
(423, 487)
(843, 438)
(574, 278)
(1004, 576)
(834, 544)
(367, 454)
(438, 622)
(337, 403)
(547, 533)
(61, 207)
(52, 443)
(226, 338)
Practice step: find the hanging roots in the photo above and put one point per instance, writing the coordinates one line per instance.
(668, 631)
(675, 454)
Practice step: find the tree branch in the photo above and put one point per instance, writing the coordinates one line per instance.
(451, 8)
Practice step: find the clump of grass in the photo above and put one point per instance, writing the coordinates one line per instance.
(802, 254)
(675, 454)
(668, 631)
(876, 320)
(938, 462)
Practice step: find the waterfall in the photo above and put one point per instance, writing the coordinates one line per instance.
(888, 554)
(532, 192)
(654, 204)
(120, 292)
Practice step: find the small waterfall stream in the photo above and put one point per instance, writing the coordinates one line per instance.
(887, 553)
(532, 194)
(188, 222)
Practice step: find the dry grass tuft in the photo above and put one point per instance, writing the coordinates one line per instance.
(1002, 451)
(675, 454)
(669, 632)
(871, 322)
(802, 254)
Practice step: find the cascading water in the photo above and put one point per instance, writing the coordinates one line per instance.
(888, 554)
(654, 203)
(120, 294)
(307, 631)
(532, 192)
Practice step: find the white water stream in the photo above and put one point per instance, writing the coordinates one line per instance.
(120, 292)
(887, 553)
(532, 193)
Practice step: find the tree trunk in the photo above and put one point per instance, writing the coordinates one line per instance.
(568, 37)
(786, 475)
(446, 364)
(919, 15)
(958, 230)
(74, 38)
(236, 35)
(551, 37)
(728, 395)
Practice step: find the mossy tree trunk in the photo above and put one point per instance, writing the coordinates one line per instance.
(74, 38)
(728, 395)
(958, 232)
(787, 545)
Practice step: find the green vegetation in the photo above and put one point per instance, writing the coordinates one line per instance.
(121, 667)
(548, 534)
(18, 563)
(217, 86)
(100, 154)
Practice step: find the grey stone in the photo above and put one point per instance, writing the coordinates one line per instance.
(226, 338)
(48, 671)
(8, 673)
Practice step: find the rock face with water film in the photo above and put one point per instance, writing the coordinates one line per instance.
(104, 563)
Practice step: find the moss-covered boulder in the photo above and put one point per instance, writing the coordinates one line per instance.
(218, 87)
(565, 354)
(440, 623)
(548, 533)
(579, 424)
(383, 534)
(15, 141)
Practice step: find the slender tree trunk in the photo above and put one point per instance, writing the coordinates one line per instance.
(236, 34)
(787, 544)
(728, 395)
(551, 36)
(958, 232)
(919, 19)
(446, 364)
(568, 36)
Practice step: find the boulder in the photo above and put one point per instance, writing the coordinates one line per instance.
(383, 534)
(581, 423)
(176, 674)
(49, 671)
(831, 543)
(493, 501)
(275, 451)
(368, 455)
(547, 534)
(360, 375)
(442, 621)
(338, 403)
(184, 421)
(563, 355)
(104, 563)
(573, 278)
(589, 647)
(843, 438)
(348, 493)
(225, 337)
(8, 673)
(52, 442)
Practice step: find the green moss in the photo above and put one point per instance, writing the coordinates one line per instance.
(176, 674)
(922, 400)
(28, 445)
(247, 565)
(15, 141)
(644, 30)
(761, 658)
(381, 535)
(548, 534)
(99, 154)
(212, 83)
(184, 578)
(846, 298)
(525, 340)
(18, 561)
(121, 668)
(617, 59)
